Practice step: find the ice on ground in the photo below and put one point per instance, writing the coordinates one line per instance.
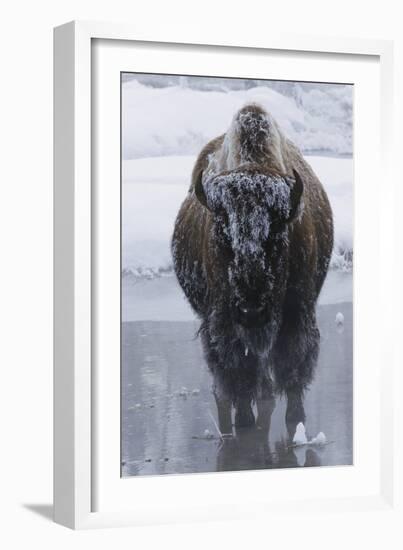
(300, 438)
(300, 455)
(320, 439)
(339, 318)
(300, 435)
(147, 433)
(207, 434)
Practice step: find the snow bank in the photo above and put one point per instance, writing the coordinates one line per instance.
(339, 318)
(300, 438)
(179, 120)
(337, 177)
(152, 192)
(300, 435)
(154, 188)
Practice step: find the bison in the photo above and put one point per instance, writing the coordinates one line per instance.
(251, 248)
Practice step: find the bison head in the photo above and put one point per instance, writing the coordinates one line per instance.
(251, 214)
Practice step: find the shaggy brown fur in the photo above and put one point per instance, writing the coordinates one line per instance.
(251, 249)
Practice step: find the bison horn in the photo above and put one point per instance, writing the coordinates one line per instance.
(200, 193)
(296, 190)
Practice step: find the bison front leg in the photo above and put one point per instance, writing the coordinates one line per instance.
(222, 395)
(226, 394)
(244, 417)
(224, 409)
(295, 355)
(295, 412)
(265, 403)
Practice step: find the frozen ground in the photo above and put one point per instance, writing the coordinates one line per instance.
(161, 298)
(168, 408)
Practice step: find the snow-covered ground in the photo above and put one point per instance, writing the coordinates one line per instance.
(153, 189)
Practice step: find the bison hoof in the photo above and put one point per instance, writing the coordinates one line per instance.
(244, 417)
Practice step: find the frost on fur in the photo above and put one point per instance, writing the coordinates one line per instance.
(251, 247)
(251, 203)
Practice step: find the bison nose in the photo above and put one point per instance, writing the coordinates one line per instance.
(248, 311)
(248, 307)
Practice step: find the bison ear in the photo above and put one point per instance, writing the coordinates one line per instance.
(199, 191)
(296, 190)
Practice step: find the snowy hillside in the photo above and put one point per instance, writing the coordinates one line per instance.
(179, 119)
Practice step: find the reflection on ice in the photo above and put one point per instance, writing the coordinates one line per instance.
(164, 432)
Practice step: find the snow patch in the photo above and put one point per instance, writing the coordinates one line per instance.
(320, 439)
(300, 435)
(339, 318)
(207, 434)
(301, 439)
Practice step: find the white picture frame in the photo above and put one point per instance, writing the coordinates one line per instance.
(77, 420)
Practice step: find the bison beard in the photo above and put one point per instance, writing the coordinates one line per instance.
(251, 248)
